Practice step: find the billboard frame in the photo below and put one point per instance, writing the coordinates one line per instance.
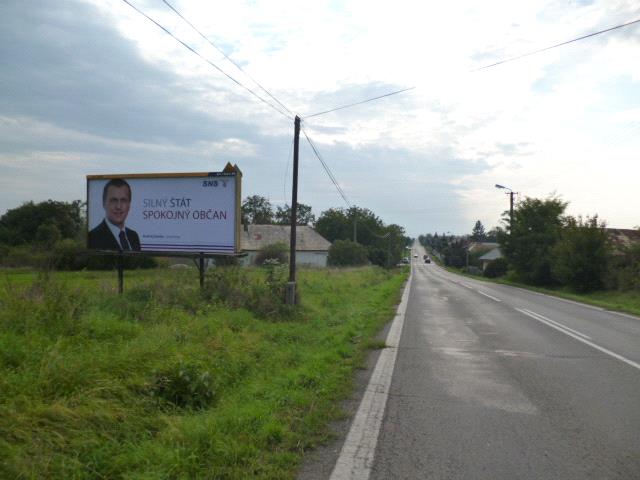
(229, 171)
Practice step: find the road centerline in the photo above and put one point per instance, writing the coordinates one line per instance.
(542, 317)
(489, 296)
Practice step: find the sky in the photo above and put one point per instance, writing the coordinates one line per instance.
(93, 87)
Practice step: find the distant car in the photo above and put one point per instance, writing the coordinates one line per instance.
(427, 260)
(405, 260)
(415, 255)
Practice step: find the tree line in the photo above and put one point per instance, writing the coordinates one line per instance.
(358, 235)
(52, 234)
(543, 246)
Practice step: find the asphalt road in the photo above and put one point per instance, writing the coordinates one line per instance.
(492, 382)
(495, 382)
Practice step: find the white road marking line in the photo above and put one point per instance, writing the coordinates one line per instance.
(356, 457)
(542, 317)
(466, 285)
(489, 296)
(580, 304)
(583, 340)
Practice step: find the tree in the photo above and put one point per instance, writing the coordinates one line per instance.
(303, 214)
(257, 210)
(478, 234)
(333, 224)
(32, 222)
(47, 235)
(396, 243)
(537, 226)
(455, 254)
(580, 256)
(347, 253)
(340, 224)
(492, 235)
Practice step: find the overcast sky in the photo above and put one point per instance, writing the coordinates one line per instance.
(90, 87)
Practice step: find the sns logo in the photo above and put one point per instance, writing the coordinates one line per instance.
(214, 183)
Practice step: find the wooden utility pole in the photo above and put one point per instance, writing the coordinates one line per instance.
(511, 194)
(355, 228)
(291, 286)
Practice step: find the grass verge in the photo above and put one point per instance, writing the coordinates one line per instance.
(615, 300)
(163, 382)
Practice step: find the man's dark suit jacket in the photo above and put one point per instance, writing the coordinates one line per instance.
(101, 238)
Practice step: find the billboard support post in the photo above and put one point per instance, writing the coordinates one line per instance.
(120, 274)
(201, 268)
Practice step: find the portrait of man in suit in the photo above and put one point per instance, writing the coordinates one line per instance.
(112, 233)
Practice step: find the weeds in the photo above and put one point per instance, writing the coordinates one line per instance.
(261, 294)
(168, 382)
(185, 385)
(47, 305)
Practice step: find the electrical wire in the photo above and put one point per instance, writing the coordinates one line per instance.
(361, 102)
(557, 45)
(337, 185)
(327, 169)
(482, 68)
(206, 60)
(225, 55)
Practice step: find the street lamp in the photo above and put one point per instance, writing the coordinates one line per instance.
(511, 193)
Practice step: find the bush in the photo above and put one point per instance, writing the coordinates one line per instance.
(185, 385)
(345, 253)
(26, 256)
(110, 262)
(624, 269)
(496, 268)
(472, 270)
(264, 296)
(579, 258)
(276, 251)
(67, 254)
(225, 261)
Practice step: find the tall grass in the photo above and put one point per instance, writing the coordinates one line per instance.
(168, 382)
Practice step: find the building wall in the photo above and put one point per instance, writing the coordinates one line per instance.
(315, 259)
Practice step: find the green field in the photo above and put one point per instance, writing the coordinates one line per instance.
(167, 381)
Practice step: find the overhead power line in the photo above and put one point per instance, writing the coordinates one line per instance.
(225, 55)
(361, 102)
(206, 60)
(327, 169)
(557, 45)
(482, 68)
(337, 185)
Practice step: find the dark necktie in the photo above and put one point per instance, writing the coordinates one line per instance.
(123, 241)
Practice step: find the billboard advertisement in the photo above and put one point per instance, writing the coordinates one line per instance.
(181, 212)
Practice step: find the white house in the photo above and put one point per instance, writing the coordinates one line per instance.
(490, 256)
(311, 247)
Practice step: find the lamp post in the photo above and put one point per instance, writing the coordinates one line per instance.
(511, 193)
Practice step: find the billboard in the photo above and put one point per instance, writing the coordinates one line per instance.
(170, 212)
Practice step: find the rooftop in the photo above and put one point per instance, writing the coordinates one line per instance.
(255, 237)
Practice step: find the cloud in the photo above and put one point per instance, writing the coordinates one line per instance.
(93, 87)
